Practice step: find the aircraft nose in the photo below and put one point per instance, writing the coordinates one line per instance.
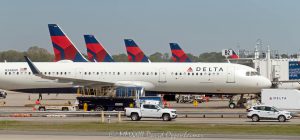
(265, 83)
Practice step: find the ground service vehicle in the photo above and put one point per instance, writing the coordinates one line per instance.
(150, 111)
(105, 103)
(264, 112)
(60, 108)
(281, 98)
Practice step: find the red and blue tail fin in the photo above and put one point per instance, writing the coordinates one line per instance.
(135, 54)
(63, 48)
(96, 52)
(178, 55)
(234, 55)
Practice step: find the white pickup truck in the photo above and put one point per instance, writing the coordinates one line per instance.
(150, 111)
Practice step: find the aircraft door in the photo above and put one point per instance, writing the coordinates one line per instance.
(230, 74)
(162, 76)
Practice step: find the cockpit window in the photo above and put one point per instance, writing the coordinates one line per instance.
(251, 73)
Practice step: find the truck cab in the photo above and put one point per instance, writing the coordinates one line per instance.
(150, 111)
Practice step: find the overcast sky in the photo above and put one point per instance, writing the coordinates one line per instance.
(197, 25)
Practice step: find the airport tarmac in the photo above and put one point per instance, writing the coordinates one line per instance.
(17, 101)
(148, 120)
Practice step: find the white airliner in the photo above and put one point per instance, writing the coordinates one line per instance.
(226, 78)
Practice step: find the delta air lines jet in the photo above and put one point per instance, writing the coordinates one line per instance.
(222, 78)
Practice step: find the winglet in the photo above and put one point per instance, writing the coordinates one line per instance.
(33, 68)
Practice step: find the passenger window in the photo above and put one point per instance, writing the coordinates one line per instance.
(153, 107)
(268, 109)
(146, 106)
(272, 109)
(261, 108)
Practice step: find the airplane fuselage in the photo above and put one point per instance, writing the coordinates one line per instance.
(162, 77)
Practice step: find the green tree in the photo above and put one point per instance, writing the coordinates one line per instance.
(192, 57)
(156, 57)
(12, 56)
(120, 57)
(211, 57)
(37, 54)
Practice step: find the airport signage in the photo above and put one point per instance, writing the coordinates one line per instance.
(294, 70)
(227, 52)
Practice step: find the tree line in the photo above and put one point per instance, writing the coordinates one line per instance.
(37, 54)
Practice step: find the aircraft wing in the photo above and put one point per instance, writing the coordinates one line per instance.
(90, 83)
(75, 81)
